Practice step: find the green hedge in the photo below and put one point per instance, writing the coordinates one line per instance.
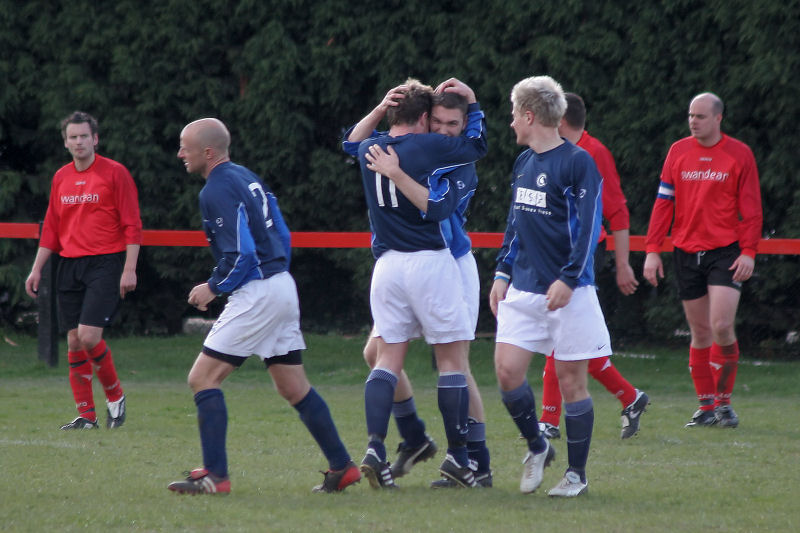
(288, 76)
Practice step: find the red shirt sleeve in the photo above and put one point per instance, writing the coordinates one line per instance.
(615, 208)
(127, 201)
(50, 228)
(660, 221)
(663, 210)
(749, 205)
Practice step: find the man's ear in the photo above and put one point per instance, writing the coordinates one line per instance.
(529, 117)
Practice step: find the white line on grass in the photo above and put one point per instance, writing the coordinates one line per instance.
(53, 444)
(635, 355)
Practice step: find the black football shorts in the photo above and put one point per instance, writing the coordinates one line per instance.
(88, 290)
(696, 271)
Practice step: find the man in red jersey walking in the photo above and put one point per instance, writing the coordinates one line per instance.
(615, 211)
(710, 183)
(93, 223)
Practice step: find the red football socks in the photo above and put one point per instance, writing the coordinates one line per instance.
(724, 364)
(104, 367)
(551, 393)
(80, 379)
(600, 368)
(607, 374)
(700, 370)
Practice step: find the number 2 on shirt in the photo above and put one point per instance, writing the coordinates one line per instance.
(258, 193)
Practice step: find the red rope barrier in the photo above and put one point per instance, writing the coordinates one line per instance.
(361, 239)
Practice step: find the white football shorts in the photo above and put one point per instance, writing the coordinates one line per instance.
(261, 318)
(471, 286)
(575, 332)
(415, 292)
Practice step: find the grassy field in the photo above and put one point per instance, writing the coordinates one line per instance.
(666, 479)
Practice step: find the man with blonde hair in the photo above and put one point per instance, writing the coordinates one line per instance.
(543, 293)
(615, 210)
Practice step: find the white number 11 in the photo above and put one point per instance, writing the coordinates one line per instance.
(379, 191)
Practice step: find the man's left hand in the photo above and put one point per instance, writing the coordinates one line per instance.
(200, 296)
(743, 268)
(127, 283)
(558, 295)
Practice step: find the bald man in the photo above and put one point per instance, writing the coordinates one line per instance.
(710, 183)
(250, 242)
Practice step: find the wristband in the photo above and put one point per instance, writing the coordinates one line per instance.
(502, 275)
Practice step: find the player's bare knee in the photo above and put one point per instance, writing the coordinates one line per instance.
(290, 381)
(370, 356)
(701, 334)
(292, 391)
(506, 377)
(88, 339)
(722, 328)
(196, 382)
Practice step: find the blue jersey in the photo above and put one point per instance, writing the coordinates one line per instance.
(244, 227)
(554, 221)
(440, 163)
(466, 181)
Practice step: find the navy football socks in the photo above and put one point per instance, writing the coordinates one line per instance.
(316, 416)
(212, 419)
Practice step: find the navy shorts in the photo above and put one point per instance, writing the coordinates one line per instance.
(295, 357)
(88, 290)
(696, 271)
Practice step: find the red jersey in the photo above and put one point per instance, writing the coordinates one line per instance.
(615, 209)
(92, 212)
(714, 194)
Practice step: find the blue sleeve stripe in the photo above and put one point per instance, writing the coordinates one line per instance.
(595, 230)
(280, 225)
(463, 204)
(437, 189)
(444, 170)
(511, 246)
(245, 247)
(474, 126)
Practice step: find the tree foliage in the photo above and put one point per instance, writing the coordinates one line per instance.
(288, 76)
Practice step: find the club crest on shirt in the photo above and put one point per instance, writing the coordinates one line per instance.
(541, 180)
(219, 222)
